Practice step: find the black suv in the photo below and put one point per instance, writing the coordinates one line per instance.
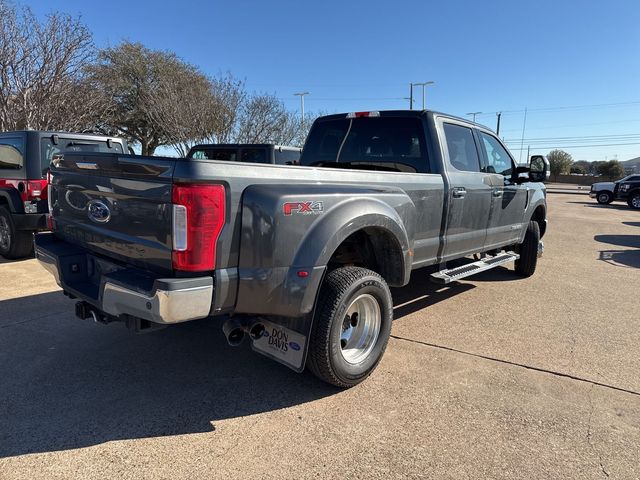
(24, 161)
(628, 189)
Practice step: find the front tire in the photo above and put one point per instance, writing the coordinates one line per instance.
(604, 198)
(634, 201)
(528, 250)
(13, 243)
(351, 326)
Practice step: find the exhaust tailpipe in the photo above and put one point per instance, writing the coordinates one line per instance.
(233, 330)
(256, 330)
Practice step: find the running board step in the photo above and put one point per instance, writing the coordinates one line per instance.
(447, 276)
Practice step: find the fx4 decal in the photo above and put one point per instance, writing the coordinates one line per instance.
(305, 208)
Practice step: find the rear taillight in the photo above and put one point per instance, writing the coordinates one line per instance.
(50, 223)
(198, 217)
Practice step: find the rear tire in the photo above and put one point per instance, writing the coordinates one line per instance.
(528, 250)
(351, 326)
(634, 201)
(13, 243)
(604, 198)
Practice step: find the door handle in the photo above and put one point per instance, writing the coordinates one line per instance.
(458, 192)
(498, 192)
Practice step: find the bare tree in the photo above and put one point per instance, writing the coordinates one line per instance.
(41, 71)
(230, 95)
(264, 119)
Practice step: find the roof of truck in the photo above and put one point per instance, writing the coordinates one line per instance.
(403, 113)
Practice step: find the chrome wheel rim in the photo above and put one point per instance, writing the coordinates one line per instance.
(5, 234)
(360, 328)
(635, 201)
(603, 197)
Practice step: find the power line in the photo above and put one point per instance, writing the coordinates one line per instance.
(564, 107)
(622, 135)
(545, 147)
(567, 125)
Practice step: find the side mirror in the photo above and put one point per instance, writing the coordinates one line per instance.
(539, 168)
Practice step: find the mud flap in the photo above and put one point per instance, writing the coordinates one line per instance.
(285, 340)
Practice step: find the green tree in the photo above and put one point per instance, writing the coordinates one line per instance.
(612, 169)
(581, 166)
(559, 162)
(155, 98)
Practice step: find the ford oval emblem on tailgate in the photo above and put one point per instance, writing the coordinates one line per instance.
(98, 212)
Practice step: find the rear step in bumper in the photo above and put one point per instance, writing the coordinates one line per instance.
(171, 300)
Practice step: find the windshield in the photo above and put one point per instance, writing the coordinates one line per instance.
(50, 150)
(372, 143)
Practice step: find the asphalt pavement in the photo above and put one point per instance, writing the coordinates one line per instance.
(495, 377)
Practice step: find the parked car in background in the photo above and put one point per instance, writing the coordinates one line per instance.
(24, 161)
(247, 153)
(605, 192)
(628, 190)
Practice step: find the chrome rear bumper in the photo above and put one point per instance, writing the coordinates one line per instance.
(123, 292)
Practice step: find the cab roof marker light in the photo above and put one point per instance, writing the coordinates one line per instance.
(363, 114)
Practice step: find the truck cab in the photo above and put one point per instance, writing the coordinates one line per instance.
(24, 161)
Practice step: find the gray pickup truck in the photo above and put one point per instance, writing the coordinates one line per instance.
(298, 259)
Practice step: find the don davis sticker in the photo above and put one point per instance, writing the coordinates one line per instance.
(281, 344)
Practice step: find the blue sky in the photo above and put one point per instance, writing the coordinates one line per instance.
(361, 55)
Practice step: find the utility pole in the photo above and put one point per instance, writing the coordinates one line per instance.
(524, 124)
(411, 96)
(474, 115)
(421, 84)
(301, 95)
(410, 100)
(499, 114)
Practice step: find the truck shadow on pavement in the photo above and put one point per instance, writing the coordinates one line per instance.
(622, 258)
(7, 260)
(68, 383)
(422, 293)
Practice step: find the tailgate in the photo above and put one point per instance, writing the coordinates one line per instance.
(117, 205)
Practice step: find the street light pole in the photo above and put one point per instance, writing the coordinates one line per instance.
(301, 95)
(474, 115)
(422, 84)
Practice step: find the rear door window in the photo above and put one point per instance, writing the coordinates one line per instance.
(11, 153)
(225, 154)
(287, 157)
(463, 154)
(254, 155)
